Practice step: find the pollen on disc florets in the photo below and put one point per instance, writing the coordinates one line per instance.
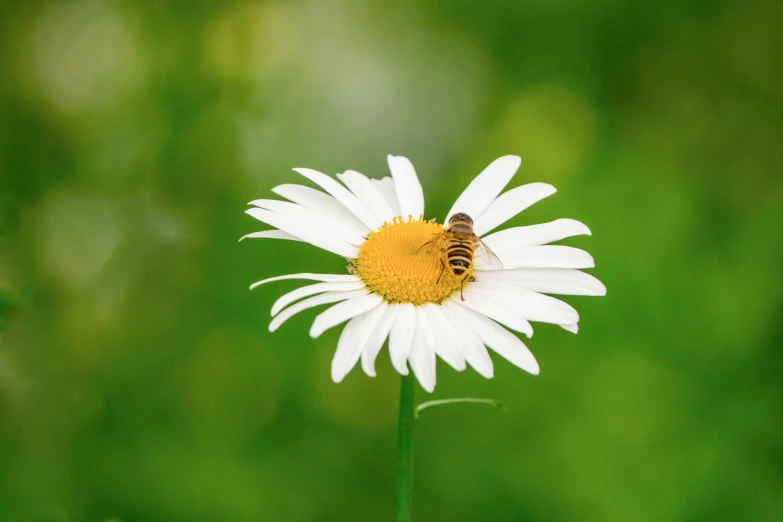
(393, 263)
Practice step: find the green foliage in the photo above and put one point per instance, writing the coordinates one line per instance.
(138, 381)
(5, 307)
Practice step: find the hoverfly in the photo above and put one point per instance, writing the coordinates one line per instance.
(460, 243)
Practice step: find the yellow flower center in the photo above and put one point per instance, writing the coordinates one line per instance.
(393, 263)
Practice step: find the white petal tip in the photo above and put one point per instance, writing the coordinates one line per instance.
(251, 235)
(532, 368)
(402, 370)
(577, 228)
(486, 373)
(304, 171)
(368, 369)
(573, 328)
(391, 158)
(315, 330)
(512, 159)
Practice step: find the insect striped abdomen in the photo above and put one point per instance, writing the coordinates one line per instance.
(459, 246)
(459, 265)
(461, 243)
(460, 256)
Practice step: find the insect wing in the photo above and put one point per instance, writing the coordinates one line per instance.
(433, 244)
(486, 254)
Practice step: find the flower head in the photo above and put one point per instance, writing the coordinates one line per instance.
(433, 290)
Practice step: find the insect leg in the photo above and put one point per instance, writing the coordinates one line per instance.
(442, 268)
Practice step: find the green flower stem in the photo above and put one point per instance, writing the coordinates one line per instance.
(405, 449)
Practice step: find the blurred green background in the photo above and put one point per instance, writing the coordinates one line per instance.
(138, 381)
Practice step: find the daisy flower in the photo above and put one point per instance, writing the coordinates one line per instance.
(398, 290)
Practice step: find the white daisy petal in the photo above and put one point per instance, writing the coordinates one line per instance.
(375, 342)
(341, 312)
(311, 277)
(573, 328)
(510, 204)
(343, 195)
(506, 344)
(321, 202)
(447, 343)
(270, 234)
(325, 298)
(407, 187)
(488, 304)
(386, 188)
(324, 222)
(368, 193)
(305, 232)
(353, 339)
(535, 235)
(547, 256)
(475, 353)
(318, 288)
(565, 281)
(401, 337)
(485, 187)
(422, 356)
(531, 305)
